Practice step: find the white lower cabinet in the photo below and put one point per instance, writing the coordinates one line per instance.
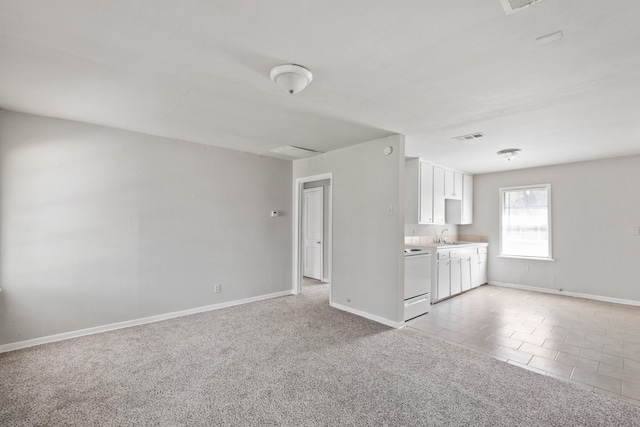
(478, 270)
(458, 270)
(482, 269)
(444, 290)
(455, 277)
(474, 264)
(465, 273)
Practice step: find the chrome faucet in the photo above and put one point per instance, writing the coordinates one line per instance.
(442, 240)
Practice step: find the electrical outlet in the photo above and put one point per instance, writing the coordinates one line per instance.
(217, 289)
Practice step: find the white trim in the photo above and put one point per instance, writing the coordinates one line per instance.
(501, 192)
(387, 322)
(135, 322)
(304, 209)
(296, 285)
(566, 293)
(526, 257)
(330, 240)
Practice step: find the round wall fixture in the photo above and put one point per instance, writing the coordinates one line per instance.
(388, 150)
(508, 153)
(290, 77)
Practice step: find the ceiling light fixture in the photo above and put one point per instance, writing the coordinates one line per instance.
(291, 77)
(509, 153)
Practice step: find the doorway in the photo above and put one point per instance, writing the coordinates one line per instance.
(312, 230)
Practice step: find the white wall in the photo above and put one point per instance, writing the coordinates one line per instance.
(594, 207)
(100, 226)
(368, 239)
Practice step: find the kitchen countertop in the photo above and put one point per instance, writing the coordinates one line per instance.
(456, 245)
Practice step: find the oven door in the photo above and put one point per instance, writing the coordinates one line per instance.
(417, 275)
(417, 306)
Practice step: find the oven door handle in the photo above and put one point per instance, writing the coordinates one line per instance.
(407, 304)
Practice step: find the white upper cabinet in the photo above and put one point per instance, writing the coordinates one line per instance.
(452, 185)
(426, 193)
(438, 195)
(461, 211)
(428, 187)
(418, 192)
(411, 191)
(467, 199)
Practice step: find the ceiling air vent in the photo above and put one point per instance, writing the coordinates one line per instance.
(296, 152)
(469, 137)
(513, 6)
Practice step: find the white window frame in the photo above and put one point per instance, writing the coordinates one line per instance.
(547, 187)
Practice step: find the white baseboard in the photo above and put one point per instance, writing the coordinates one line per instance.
(387, 322)
(135, 322)
(567, 293)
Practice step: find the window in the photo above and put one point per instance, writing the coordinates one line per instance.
(525, 221)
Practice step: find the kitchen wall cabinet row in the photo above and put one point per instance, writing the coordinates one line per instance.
(437, 195)
(458, 270)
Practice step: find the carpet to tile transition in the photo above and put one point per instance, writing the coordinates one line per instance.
(290, 361)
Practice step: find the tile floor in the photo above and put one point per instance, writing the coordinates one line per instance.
(592, 344)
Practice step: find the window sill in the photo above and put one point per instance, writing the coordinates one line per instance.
(527, 257)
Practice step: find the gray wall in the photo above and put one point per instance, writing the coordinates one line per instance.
(367, 238)
(100, 226)
(594, 207)
(325, 184)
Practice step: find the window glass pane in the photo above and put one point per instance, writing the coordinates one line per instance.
(525, 222)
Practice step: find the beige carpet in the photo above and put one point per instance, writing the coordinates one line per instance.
(290, 361)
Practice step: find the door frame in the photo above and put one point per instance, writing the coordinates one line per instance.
(322, 242)
(297, 231)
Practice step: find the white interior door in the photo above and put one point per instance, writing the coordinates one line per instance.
(312, 232)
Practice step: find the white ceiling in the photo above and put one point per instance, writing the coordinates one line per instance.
(432, 70)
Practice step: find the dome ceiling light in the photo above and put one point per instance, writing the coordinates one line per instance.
(292, 78)
(509, 153)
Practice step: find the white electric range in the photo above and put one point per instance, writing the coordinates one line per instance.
(417, 281)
